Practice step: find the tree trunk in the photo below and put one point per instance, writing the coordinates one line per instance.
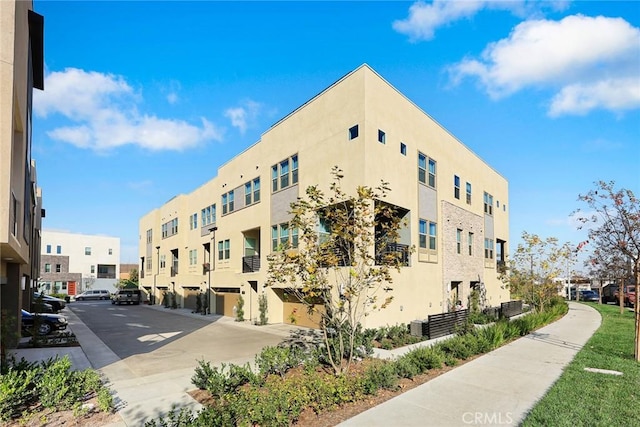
(637, 310)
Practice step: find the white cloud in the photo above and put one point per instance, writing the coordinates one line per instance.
(425, 18)
(591, 61)
(243, 116)
(103, 108)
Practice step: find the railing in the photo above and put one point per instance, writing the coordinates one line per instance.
(397, 249)
(251, 264)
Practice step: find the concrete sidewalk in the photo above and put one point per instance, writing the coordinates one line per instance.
(498, 388)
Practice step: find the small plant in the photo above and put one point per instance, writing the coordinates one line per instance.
(277, 360)
(262, 308)
(174, 301)
(240, 309)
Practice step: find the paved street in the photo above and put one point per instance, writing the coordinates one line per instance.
(154, 341)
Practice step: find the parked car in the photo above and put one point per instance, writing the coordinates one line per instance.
(57, 304)
(589, 296)
(41, 307)
(48, 322)
(629, 296)
(126, 296)
(94, 294)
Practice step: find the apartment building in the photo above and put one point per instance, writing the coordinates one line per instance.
(72, 263)
(21, 70)
(218, 236)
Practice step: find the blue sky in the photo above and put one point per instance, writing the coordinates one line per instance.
(144, 100)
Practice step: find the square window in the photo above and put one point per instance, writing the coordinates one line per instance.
(87, 250)
(381, 137)
(353, 132)
(403, 149)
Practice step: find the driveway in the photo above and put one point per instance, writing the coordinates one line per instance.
(149, 354)
(155, 340)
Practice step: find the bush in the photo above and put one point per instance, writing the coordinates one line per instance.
(425, 358)
(51, 383)
(240, 309)
(380, 375)
(278, 360)
(262, 308)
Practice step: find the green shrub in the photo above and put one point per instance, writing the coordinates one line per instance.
(17, 391)
(405, 368)
(202, 373)
(278, 360)
(240, 309)
(262, 308)
(426, 358)
(456, 346)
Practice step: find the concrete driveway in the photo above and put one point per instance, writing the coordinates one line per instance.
(149, 353)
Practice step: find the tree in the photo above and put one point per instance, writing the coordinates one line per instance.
(133, 275)
(347, 250)
(535, 265)
(614, 226)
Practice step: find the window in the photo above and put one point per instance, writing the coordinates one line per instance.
(381, 137)
(456, 187)
(48, 249)
(432, 236)
(47, 268)
(283, 236)
(87, 250)
(497, 203)
(149, 236)
(284, 174)
(165, 233)
(174, 226)
(58, 249)
(224, 249)
(227, 202)
(488, 248)
(403, 149)
(468, 193)
(488, 203)
(247, 193)
(458, 241)
(163, 261)
(422, 232)
(64, 286)
(193, 221)
(193, 257)
(58, 268)
(110, 251)
(470, 243)
(208, 215)
(93, 269)
(294, 169)
(422, 170)
(353, 132)
(252, 192)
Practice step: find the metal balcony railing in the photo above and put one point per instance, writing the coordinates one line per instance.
(251, 264)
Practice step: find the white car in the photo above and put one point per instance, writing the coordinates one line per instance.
(94, 294)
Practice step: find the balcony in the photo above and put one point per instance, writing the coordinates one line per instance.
(251, 264)
(398, 250)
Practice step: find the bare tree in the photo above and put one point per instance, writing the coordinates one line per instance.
(614, 225)
(348, 246)
(533, 268)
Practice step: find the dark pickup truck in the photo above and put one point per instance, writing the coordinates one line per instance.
(126, 296)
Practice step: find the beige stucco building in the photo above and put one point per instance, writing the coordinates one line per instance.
(456, 206)
(21, 70)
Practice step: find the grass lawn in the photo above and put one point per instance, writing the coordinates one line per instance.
(582, 398)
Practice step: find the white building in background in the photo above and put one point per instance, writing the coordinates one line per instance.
(72, 263)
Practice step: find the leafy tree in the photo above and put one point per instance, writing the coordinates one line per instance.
(133, 276)
(347, 251)
(533, 267)
(613, 220)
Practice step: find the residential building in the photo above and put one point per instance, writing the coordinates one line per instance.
(72, 263)
(455, 205)
(21, 70)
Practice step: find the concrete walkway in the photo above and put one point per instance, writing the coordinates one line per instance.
(498, 388)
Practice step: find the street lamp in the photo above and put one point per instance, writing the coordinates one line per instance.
(213, 241)
(153, 295)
